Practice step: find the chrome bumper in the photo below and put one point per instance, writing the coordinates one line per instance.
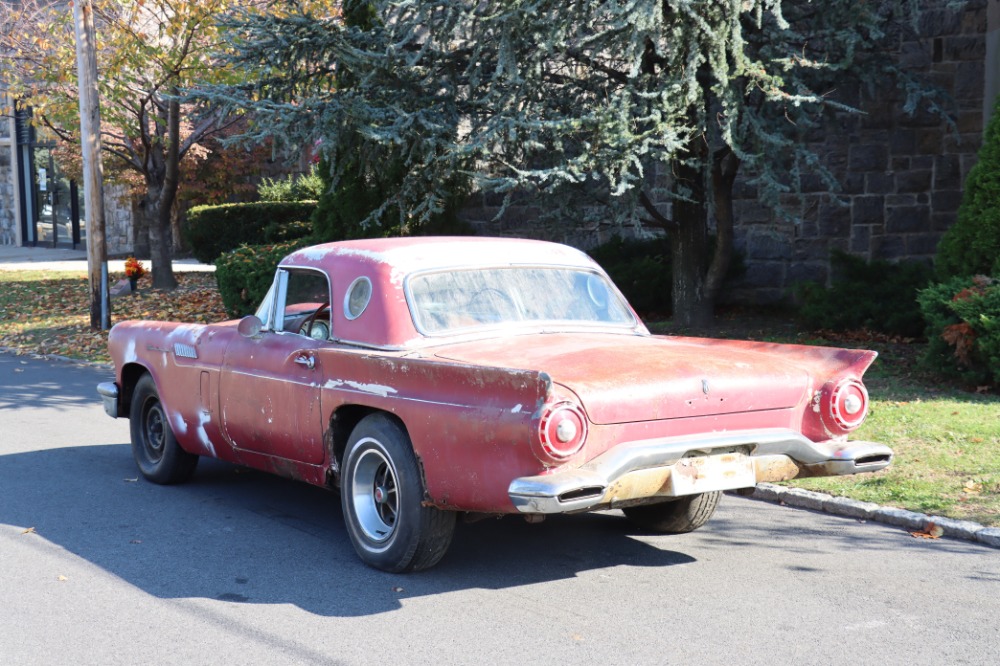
(635, 472)
(109, 395)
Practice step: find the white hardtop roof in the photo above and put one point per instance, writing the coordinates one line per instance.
(406, 255)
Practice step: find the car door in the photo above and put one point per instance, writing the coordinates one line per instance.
(270, 383)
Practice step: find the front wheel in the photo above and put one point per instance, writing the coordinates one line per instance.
(679, 516)
(382, 495)
(157, 453)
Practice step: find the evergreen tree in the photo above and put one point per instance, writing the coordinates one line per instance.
(972, 245)
(560, 99)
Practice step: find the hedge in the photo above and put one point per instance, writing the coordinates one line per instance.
(212, 230)
(877, 296)
(245, 274)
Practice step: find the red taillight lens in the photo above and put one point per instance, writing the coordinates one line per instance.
(846, 405)
(562, 430)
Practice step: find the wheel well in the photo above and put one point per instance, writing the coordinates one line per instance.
(131, 374)
(342, 424)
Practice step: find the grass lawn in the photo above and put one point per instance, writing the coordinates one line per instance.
(45, 312)
(946, 439)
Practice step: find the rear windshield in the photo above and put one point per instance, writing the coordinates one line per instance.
(447, 301)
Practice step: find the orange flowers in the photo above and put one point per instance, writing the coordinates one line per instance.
(134, 268)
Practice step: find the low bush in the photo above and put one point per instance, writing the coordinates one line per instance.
(642, 270)
(963, 328)
(213, 230)
(245, 274)
(294, 187)
(876, 296)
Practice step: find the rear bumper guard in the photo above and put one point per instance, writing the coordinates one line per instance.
(635, 471)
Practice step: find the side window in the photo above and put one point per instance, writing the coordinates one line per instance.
(307, 304)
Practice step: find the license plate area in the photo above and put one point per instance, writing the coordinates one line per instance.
(726, 470)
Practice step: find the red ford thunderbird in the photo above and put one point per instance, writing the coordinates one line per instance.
(428, 377)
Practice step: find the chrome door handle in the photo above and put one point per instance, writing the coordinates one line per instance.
(307, 361)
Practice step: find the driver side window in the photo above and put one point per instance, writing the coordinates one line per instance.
(307, 304)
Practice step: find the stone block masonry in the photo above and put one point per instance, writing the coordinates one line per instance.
(901, 176)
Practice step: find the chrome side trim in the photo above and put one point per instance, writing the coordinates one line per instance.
(109, 396)
(584, 487)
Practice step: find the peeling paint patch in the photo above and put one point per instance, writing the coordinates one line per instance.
(180, 425)
(376, 389)
(517, 409)
(333, 383)
(203, 420)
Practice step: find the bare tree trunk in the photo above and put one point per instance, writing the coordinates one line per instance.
(140, 229)
(160, 236)
(725, 166)
(159, 239)
(693, 304)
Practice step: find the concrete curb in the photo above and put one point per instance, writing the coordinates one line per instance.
(908, 520)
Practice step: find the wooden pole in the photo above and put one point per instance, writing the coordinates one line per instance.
(93, 170)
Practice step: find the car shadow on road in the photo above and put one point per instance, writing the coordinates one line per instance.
(241, 536)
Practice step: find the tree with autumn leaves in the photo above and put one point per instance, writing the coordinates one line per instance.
(150, 54)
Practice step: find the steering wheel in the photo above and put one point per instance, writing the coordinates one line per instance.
(307, 325)
(491, 302)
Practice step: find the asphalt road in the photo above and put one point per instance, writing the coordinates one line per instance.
(99, 567)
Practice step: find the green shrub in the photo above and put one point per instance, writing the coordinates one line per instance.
(971, 246)
(212, 230)
(245, 274)
(293, 187)
(877, 296)
(642, 270)
(963, 328)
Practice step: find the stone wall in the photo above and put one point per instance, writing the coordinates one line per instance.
(8, 220)
(901, 176)
(117, 219)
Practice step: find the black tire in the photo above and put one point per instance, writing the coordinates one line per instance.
(679, 516)
(382, 495)
(157, 453)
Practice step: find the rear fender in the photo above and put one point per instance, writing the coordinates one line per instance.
(471, 426)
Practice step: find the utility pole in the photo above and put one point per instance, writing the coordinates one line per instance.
(93, 171)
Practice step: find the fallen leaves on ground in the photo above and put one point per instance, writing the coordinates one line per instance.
(932, 531)
(52, 315)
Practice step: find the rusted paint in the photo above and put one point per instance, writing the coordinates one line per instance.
(775, 468)
(655, 482)
(470, 404)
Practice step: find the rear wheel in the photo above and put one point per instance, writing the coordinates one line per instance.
(382, 495)
(684, 514)
(157, 453)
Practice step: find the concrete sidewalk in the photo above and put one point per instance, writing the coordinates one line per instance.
(13, 258)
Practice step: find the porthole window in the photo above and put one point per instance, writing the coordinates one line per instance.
(357, 298)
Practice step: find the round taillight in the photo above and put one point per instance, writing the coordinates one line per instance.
(847, 405)
(562, 430)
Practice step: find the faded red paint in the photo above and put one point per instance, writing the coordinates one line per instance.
(471, 406)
